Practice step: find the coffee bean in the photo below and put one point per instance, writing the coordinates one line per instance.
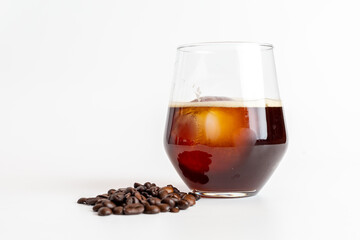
(182, 194)
(91, 201)
(111, 191)
(147, 198)
(130, 190)
(103, 196)
(169, 201)
(108, 203)
(152, 191)
(190, 199)
(152, 209)
(82, 200)
(197, 197)
(117, 192)
(182, 204)
(139, 196)
(132, 209)
(145, 194)
(175, 196)
(127, 195)
(132, 200)
(169, 189)
(174, 199)
(163, 194)
(142, 198)
(104, 211)
(164, 207)
(174, 210)
(97, 207)
(141, 188)
(118, 210)
(147, 184)
(154, 201)
(117, 198)
(145, 203)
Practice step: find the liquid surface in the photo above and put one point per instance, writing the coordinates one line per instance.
(225, 145)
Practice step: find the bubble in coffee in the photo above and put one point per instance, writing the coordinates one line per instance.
(224, 145)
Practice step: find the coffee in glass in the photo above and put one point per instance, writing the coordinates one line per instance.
(225, 146)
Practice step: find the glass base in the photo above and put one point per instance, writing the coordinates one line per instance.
(237, 194)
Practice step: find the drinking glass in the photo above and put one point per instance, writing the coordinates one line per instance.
(225, 131)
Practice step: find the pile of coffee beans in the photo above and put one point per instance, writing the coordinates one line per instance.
(142, 198)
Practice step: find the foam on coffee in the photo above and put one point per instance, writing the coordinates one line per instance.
(233, 103)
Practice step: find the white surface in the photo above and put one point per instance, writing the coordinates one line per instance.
(84, 87)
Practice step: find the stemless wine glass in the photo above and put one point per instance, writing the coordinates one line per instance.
(225, 131)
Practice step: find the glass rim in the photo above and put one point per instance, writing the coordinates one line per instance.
(182, 47)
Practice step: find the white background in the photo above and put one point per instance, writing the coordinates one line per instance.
(84, 87)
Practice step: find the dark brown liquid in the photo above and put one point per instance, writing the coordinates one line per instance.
(220, 149)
